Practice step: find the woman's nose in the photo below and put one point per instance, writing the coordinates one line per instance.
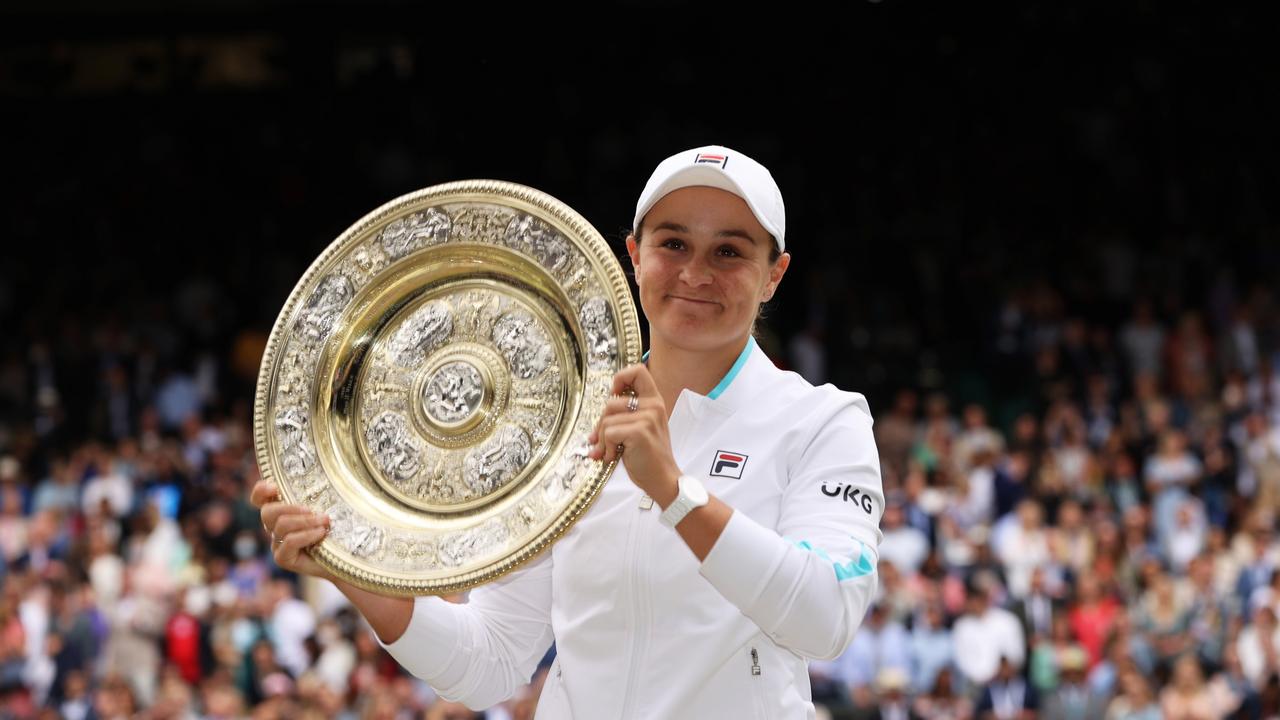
(695, 272)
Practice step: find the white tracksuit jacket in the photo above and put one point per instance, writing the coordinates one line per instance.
(642, 629)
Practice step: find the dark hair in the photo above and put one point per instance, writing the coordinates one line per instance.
(774, 253)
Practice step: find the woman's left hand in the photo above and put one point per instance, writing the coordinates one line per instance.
(641, 432)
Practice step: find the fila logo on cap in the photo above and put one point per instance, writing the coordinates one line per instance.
(711, 159)
(728, 464)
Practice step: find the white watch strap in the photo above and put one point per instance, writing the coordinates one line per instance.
(690, 495)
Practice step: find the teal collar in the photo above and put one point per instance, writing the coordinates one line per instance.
(729, 376)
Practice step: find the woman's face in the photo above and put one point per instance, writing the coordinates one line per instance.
(1186, 672)
(703, 268)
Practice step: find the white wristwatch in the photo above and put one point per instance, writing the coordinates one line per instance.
(691, 495)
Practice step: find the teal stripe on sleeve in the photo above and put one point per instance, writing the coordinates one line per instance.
(848, 571)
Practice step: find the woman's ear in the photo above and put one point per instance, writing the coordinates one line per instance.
(775, 276)
(633, 250)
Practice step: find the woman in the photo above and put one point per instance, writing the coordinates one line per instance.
(1135, 700)
(739, 534)
(1092, 616)
(1187, 697)
(1163, 617)
(942, 701)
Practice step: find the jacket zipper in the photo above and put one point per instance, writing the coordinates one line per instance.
(560, 688)
(640, 627)
(757, 689)
(637, 553)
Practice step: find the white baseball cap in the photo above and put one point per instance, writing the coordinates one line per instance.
(719, 167)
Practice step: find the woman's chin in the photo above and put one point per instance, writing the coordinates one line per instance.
(693, 336)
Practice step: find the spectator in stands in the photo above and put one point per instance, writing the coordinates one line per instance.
(881, 643)
(941, 701)
(932, 649)
(1135, 700)
(1187, 696)
(1023, 547)
(1008, 696)
(1072, 699)
(988, 634)
(904, 546)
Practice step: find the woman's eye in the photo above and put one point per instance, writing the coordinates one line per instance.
(728, 251)
(672, 243)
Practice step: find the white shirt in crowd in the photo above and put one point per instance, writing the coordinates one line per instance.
(292, 623)
(114, 487)
(906, 547)
(981, 640)
(1253, 656)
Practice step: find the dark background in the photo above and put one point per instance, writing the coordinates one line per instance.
(939, 162)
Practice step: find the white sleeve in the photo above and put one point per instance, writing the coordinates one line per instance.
(809, 584)
(481, 652)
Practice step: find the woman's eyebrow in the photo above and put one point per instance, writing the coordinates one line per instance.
(737, 233)
(733, 232)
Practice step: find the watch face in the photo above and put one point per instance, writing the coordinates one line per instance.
(691, 495)
(690, 487)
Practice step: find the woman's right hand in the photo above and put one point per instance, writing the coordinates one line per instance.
(292, 530)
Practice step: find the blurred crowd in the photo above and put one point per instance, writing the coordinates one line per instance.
(137, 580)
(1109, 552)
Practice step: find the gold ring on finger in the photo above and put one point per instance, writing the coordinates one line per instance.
(633, 402)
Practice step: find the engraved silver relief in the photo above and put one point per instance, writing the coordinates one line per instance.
(352, 532)
(420, 553)
(421, 229)
(522, 343)
(424, 331)
(481, 224)
(311, 487)
(496, 462)
(391, 444)
(575, 278)
(597, 326)
(470, 545)
(535, 237)
(527, 514)
(317, 316)
(365, 259)
(293, 432)
(457, 549)
(477, 312)
(454, 393)
(296, 372)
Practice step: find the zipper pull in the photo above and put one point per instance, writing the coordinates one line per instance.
(755, 662)
(646, 502)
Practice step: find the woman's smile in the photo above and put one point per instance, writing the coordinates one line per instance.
(693, 301)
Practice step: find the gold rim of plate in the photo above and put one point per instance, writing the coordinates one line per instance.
(432, 378)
